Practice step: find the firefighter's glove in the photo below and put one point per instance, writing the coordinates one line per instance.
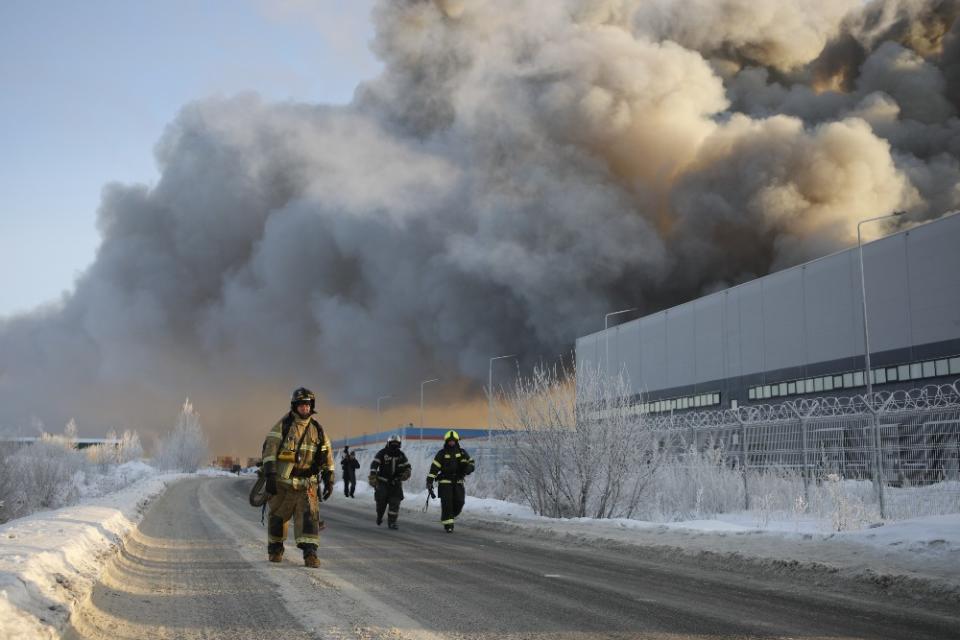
(405, 475)
(372, 480)
(430, 489)
(327, 478)
(271, 486)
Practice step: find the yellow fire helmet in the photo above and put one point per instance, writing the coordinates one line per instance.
(451, 434)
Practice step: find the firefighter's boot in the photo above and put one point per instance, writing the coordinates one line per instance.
(310, 558)
(275, 552)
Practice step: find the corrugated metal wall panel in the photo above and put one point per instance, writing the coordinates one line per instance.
(934, 264)
(708, 343)
(783, 342)
(888, 300)
(653, 344)
(802, 316)
(680, 346)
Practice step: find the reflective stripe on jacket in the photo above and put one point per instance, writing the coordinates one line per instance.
(450, 465)
(291, 457)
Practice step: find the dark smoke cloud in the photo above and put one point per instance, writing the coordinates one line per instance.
(519, 169)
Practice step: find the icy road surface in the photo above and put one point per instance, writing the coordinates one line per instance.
(197, 568)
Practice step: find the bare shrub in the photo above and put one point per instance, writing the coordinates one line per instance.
(580, 448)
(184, 448)
(691, 485)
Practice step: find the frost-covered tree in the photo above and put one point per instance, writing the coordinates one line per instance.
(70, 431)
(580, 447)
(129, 448)
(117, 449)
(184, 448)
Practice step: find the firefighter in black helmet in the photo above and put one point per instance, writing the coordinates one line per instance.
(297, 457)
(450, 466)
(389, 469)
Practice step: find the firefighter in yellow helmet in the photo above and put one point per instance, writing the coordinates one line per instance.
(450, 466)
(297, 457)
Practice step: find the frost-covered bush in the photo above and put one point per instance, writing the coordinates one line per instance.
(126, 449)
(52, 473)
(115, 477)
(692, 485)
(184, 448)
(580, 448)
(43, 475)
(8, 484)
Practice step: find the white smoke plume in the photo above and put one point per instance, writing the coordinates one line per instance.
(520, 168)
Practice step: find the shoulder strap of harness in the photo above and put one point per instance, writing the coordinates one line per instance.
(288, 422)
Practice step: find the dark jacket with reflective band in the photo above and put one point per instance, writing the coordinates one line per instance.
(390, 466)
(291, 462)
(450, 465)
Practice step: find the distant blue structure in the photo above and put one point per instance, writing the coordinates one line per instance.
(415, 434)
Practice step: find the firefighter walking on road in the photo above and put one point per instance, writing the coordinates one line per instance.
(450, 466)
(349, 464)
(388, 470)
(297, 457)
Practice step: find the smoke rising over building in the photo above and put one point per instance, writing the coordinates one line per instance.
(519, 168)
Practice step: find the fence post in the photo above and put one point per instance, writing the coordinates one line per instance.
(745, 466)
(806, 449)
(878, 478)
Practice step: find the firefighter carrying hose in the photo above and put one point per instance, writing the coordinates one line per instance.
(450, 466)
(296, 451)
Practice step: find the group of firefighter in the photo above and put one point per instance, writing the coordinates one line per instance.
(298, 471)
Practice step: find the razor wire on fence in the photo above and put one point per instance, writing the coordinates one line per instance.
(901, 441)
(850, 460)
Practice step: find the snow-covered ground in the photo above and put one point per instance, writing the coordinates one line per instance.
(918, 553)
(49, 560)
(921, 551)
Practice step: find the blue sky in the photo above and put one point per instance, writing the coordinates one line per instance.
(86, 89)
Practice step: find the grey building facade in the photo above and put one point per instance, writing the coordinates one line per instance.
(800, 331)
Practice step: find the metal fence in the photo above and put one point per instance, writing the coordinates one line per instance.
(907, 443)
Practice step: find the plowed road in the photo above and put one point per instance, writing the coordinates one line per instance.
(197, 568)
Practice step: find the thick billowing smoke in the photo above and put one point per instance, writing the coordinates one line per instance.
(520, 168)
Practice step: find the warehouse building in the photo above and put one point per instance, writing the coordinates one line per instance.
(800, 331)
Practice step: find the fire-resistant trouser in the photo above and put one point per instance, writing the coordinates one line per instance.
(452, 496)
(301, 505)
(349, 486)
(388, 497)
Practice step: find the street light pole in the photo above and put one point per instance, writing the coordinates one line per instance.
(490, 392)
(422, 384)
(379, 419)
(867, 370)
(606, 337)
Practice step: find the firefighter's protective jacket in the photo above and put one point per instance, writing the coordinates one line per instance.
(299, 456)
(390, 466)
(450, 465)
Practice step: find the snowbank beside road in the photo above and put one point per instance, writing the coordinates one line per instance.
(49, 560)
(921, 553)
